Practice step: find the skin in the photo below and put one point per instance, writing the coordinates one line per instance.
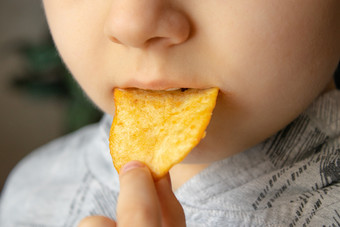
(270, 59)
(153, 204)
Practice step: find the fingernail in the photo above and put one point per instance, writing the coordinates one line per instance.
(131, 165)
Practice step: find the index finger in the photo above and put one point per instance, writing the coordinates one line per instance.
(138, 200)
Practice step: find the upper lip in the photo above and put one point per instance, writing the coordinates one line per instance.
(157, 84)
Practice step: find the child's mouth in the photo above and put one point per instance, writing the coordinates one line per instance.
(175, 89)
(159, 85)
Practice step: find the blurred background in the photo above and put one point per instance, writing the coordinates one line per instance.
(39, 99)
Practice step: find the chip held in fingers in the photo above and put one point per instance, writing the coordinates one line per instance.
(159, 128)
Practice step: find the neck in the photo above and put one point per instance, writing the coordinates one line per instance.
(181, 173)
(331, 86)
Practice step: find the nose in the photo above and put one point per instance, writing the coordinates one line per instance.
(141, 23)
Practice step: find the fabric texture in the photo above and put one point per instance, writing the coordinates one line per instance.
(291, 179)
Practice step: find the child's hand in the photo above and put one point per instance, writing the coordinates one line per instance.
(142, 202)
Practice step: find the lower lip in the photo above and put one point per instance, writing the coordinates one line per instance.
(172, 89)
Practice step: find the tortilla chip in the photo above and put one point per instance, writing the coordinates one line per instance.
(159, 128)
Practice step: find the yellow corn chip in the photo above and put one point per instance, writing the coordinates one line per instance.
(159, 128)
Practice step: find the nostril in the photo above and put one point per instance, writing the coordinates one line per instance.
(153, 40)
(115, 40)
(161, 41)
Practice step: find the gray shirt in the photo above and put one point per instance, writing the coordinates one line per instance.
(291, 179)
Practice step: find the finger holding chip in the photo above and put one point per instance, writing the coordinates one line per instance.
(142, 201)
(145, 202)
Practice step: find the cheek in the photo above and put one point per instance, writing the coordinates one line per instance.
(274, 51)
(82, 45)
(273, 58)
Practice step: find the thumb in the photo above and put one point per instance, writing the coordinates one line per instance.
(138, 203)
(96, 221)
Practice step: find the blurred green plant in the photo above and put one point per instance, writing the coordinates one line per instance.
(47, 77)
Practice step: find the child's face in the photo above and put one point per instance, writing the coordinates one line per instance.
(270, 59)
